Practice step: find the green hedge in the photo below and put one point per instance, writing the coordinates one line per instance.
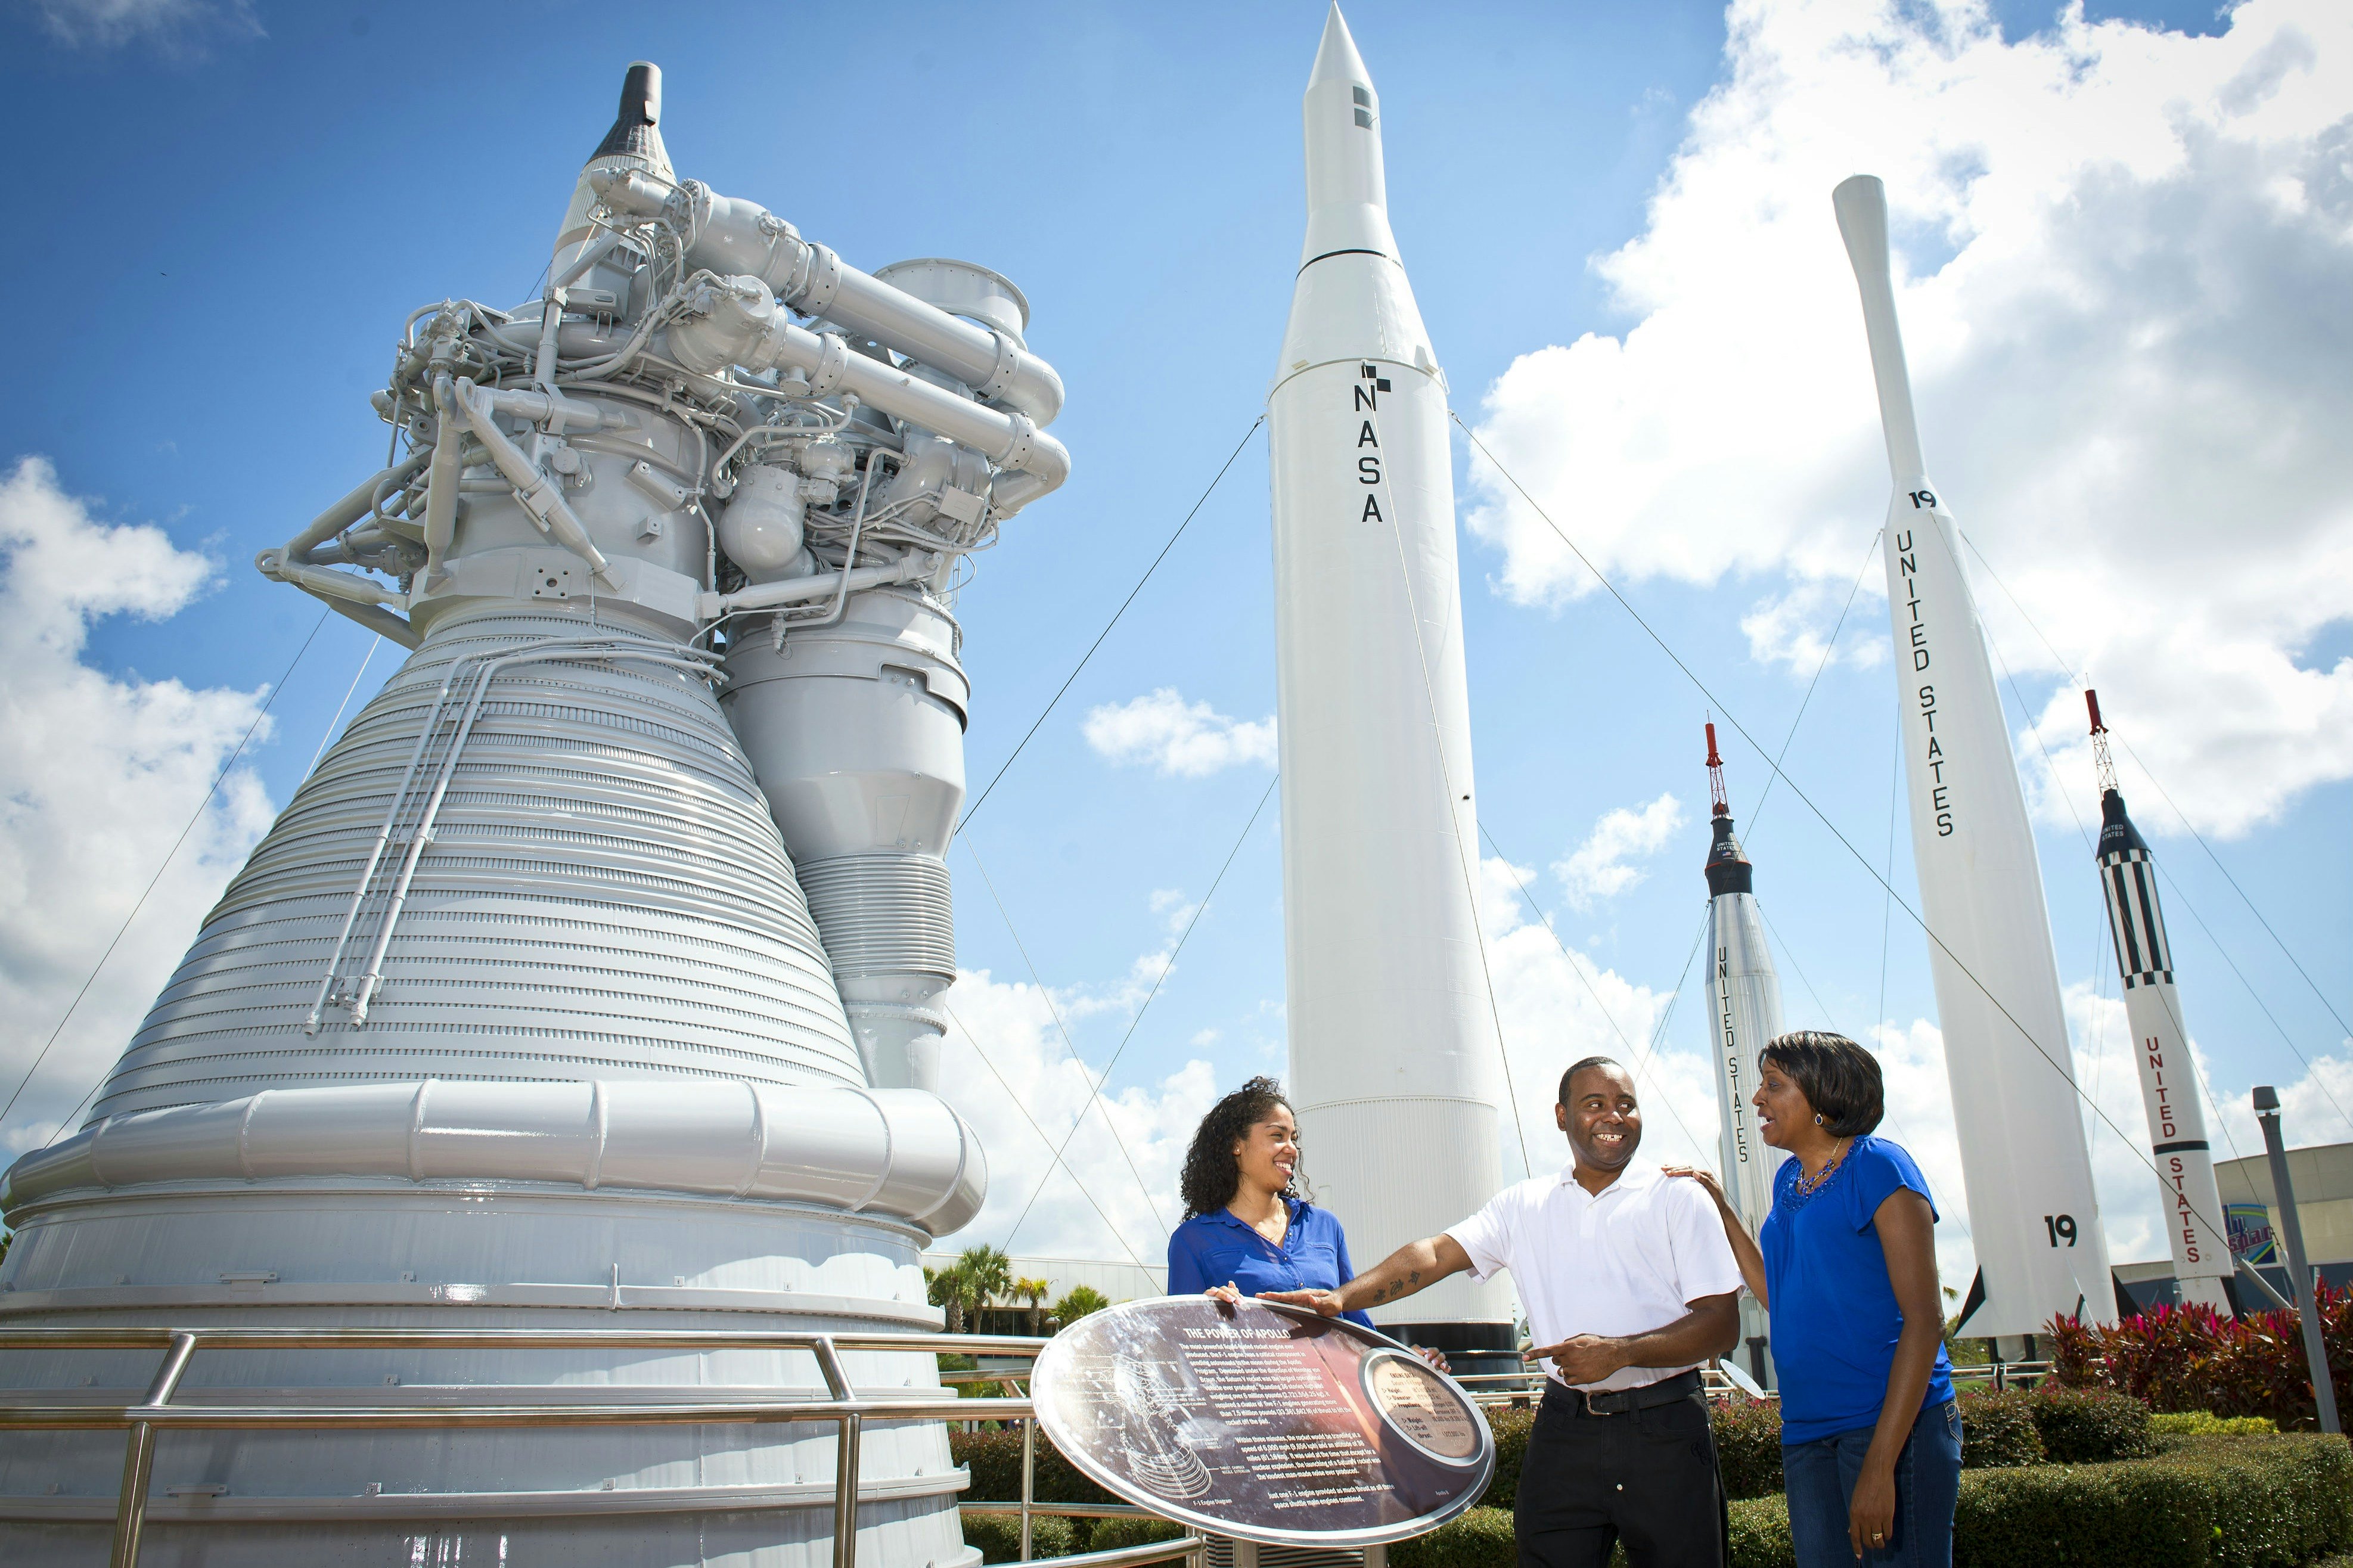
(2210, 1503)
(2204, 1424)
(995, 1459)
(2015, 1428)
(999, 1536)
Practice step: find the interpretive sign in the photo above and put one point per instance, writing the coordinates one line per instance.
(1263, 1422)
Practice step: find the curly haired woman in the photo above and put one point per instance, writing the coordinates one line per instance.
(1247, 1225)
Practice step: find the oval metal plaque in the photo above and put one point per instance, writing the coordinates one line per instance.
(1263, 1422)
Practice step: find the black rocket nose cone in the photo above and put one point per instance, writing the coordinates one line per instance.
(2117, 833)
(636, 128)
(1727, 868)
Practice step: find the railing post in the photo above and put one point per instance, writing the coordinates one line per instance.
(1029, 1477)
(139, 1456)
(845, 1457)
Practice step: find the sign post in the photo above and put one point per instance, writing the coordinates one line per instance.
(1263, 1422)
(2315, 1348)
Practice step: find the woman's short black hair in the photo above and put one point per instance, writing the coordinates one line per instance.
(1212, 1174)
(1840, 1079)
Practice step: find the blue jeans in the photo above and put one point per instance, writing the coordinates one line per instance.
(1820, 1478)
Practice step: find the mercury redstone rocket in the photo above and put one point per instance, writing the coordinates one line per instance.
(1393, 1042)
(2034, 1214)
(2168, 1082)
(1745, 1012)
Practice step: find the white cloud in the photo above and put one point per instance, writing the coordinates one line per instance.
(1008, 1072)
(1795, 628)
(1557, 1005)
(1920, 1117)
(100, 774)
(176, 26)
(2122, 269)
(1189, 739)
(1596, 868)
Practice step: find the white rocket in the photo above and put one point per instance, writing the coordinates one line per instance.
(1393, 1042)
(2033, 1212)
(2168, 1082)
(1744, 1011)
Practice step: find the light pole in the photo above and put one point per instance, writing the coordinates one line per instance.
(2315, 1351)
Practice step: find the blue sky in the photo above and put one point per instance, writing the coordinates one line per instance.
(1605, 212)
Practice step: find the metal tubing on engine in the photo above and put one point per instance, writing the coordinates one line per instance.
(735, 236)
(353, 506)
(744, 328)
(534, 489)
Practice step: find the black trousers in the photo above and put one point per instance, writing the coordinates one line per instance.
(1647, 1477)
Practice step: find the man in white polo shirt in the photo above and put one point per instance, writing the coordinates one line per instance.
(1629, 1285)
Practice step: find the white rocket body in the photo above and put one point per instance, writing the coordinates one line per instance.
(2033, 1212)
(1393, 1044)
(1745, 1012)
(2168, 1082)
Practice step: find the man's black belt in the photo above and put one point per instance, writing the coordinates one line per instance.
(1617, 1402)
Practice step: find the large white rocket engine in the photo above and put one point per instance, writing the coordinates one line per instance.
(590, 979)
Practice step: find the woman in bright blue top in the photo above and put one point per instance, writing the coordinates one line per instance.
(1871, 1439)
(1247, 1230)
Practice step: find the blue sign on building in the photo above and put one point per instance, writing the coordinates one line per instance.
(2252, 1239)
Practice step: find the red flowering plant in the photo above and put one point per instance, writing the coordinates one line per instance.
(2192, 1358)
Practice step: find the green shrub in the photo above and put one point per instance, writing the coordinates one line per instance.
(1760, 1533)
(2088, 1425)
(1478, 1538)
(2204, 1424)
(2211, 1503)
(999, 1536)
(1511, 1428)
(1997, 1430)
(995, 1459)
(1749, 1449)
(1110, 1533)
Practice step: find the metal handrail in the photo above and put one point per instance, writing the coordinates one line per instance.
(844, 1406)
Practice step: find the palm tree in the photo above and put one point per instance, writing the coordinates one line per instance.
(987, 1273)
(945, 1289)
(1032, 1291)
(1080, 1301)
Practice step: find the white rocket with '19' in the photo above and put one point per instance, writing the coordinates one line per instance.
(2033, 1212)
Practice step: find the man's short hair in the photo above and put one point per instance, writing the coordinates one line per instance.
(1574, 1068)
(1839, 1079)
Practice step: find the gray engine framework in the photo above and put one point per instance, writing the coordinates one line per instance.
(594, 969)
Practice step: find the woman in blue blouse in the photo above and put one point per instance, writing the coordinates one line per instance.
(1247, 1229)
(1871, 1439)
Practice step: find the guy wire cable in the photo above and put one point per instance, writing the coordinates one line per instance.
(1053, 1159)
(1094, 1096)
(169, 855)
(1591, 990)
(2076, 675)
(1870, 553)
(2092, 845)
(1900, 1130)
(974, 809)
(2065, 1073)
(1199, 910)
